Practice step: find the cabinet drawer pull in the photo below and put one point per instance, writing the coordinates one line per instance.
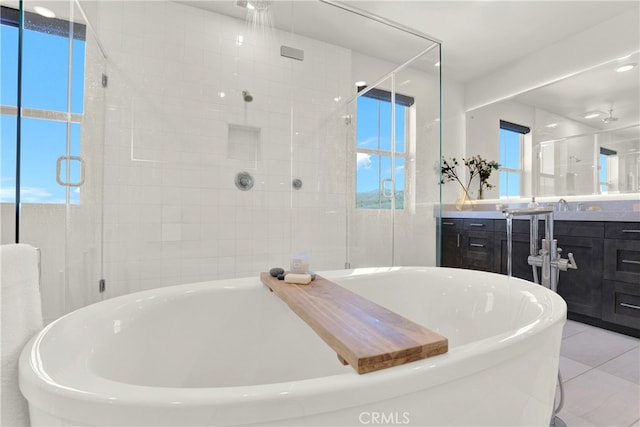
(448, 223)
(630, 261)
(473, 224)
(635, 307)
(458, 240)
(476, 245)
(631, 231)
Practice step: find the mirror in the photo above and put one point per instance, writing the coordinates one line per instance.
(585, 132)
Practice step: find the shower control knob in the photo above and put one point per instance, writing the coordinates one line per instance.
(244, 181)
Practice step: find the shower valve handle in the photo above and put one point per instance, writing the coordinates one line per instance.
(566, 264)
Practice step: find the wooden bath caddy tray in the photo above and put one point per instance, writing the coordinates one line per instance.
(363, 334)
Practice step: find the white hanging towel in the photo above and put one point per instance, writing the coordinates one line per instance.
(21, 319)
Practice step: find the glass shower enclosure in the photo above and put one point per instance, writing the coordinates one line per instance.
(52, 121)
(209, 140)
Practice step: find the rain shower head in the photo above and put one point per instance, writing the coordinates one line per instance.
(247, 96)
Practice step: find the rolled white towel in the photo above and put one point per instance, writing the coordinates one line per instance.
(21, 319)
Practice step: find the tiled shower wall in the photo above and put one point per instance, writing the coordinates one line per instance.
(172, 211)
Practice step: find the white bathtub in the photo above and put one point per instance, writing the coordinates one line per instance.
(230, 352)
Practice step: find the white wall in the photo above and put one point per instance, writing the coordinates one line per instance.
(172, 211)
(453, 130)
(483, 136)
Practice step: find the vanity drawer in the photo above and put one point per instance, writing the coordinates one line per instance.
(622, 260)
(578, 228)
(479, 224)
(621, 303)
(451, 225)
(622, 230)
(478, 250)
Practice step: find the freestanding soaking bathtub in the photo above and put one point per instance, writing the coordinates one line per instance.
(230, 352)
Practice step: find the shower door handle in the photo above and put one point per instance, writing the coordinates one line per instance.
(59, 180)
(383, 187)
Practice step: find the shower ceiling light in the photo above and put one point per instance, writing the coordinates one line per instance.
(552, 125)
(43, 11)
(625, 67)
(592, 115)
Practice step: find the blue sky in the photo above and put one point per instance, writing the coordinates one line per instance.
(45, 84)
(374, 133)
(509, 182)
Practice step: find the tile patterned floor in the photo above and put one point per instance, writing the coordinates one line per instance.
(601, 376)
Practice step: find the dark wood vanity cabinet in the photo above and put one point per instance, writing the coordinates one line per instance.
(604, 290)
(582, 288)
(478, 244)
(521, 249)
(621, 286)
(451, 254)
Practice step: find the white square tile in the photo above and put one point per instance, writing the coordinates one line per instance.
(625, 366)
(572, 327)
(171, 232)
(171, 213)
(191, 232)
(570, 368)
(603, 399)
(594, 346)
(572, 420)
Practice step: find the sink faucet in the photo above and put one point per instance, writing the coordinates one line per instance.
(548, 258)
(562, 206)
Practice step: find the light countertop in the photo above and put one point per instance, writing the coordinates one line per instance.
(580, 210)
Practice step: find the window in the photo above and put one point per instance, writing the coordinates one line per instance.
(511, 153)
(51, 110)
(607, 162)
(375, 172)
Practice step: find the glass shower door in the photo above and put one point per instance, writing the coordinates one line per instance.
(60, 143)
(397, 142)
(417, 86)
(373, 206)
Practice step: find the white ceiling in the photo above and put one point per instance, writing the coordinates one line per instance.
(478, 38)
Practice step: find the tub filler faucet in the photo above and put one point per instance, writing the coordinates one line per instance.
(548, 257)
